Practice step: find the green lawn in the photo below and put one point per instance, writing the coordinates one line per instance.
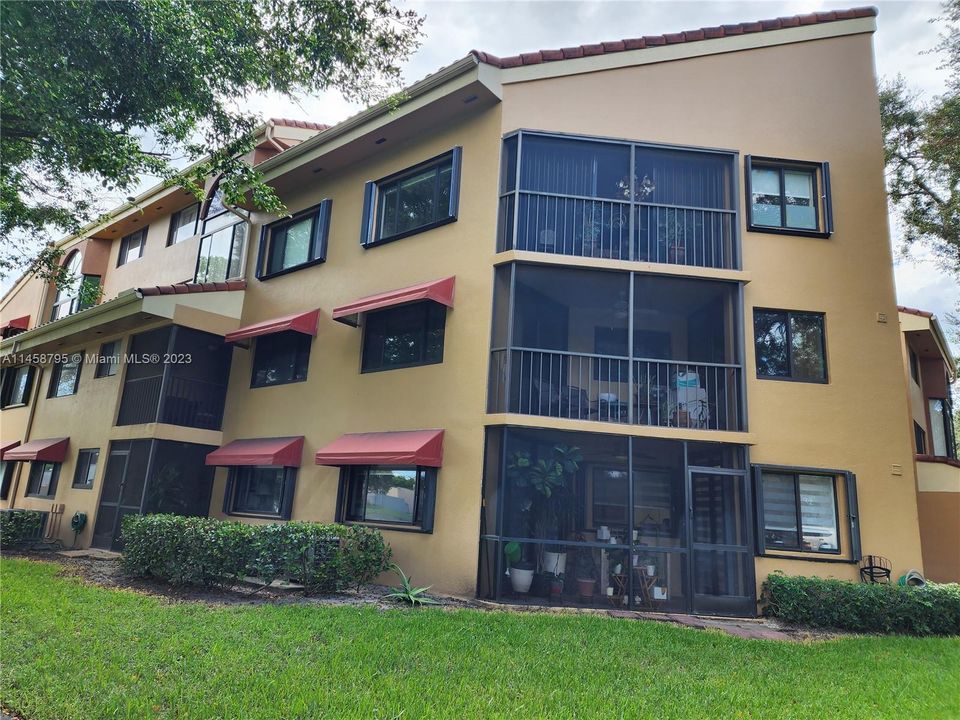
(75, 651)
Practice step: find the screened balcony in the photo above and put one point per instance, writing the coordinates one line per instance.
(178, 376)
(617, 347)
(619, 200)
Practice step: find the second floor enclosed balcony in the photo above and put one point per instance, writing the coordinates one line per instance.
(587, 197)
(178, 376)
(617, 347)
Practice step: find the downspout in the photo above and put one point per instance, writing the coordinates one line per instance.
(268, 136)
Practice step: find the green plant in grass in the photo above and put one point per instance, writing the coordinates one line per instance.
(407, 592)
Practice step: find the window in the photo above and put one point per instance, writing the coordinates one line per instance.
(65, 378)
(15, 386)
(263, 491)
(403, 336)
(280, 358)
(914, 367)
(108, 359)
(6, 478)
(418, 199)
(66, 301)
(789, 197)
(86, 468)
(790, 345)
(43, 479)
(221, 253)
(389, 495)
(941, 434)
(295, 242)
(131, 247)
(920, 438)
(183, 224)
(800, 512)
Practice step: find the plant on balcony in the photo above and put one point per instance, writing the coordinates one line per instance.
(544, 486)
(585, 572)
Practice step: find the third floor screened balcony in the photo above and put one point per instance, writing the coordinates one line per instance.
(617, 347)
(596, 198)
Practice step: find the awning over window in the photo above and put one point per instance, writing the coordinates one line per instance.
(15, 326)
(49, 450)
(278, 452)
(440, 291)
(305, 323)
(4, 446)
(408, 447)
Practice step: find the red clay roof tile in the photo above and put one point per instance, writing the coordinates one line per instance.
(707, 33)
(187, 288)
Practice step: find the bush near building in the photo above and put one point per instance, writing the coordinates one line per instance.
(207, 552)
(16, 526)
(869, 608)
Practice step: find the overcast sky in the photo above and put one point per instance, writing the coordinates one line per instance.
(508, 28)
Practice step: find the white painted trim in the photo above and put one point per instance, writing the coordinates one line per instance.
(687, 50)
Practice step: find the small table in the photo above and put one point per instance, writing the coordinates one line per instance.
(644, 586)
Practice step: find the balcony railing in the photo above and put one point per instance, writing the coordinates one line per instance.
(188, 402)
(583, 386)
(589, 227)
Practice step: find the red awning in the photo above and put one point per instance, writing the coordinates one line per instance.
(408, 447)
(278, 452)
(7, 446)
(49, 450)
(15, 326)
(305, 323)
(440, 291)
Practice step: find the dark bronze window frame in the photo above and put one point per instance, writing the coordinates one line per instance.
(259, 347)
(825, 380)
(84, 458)
(36, 472)
(372, 205)
(821, 193)
(125, 242)
(425, 508)
(286, 497)
(6, 386)
(319, 235)
(57, 370)
(852, 518)
(174, 226)
(427, 305)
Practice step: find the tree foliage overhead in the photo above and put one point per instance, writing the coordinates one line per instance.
(98, 94)
(922, 151)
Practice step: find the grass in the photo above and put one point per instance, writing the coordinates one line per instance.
(71, 650)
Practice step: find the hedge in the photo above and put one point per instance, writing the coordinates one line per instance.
(16, 526)
(207, 552)
(861, 607)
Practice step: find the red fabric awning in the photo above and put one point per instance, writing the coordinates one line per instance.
(440, 291)
(407, 447)
(4, 446)
(16, 325)
(305, 323)
(278, 452)
(49, 450)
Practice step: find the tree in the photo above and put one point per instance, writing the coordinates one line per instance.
(97, 94)
(922, 153)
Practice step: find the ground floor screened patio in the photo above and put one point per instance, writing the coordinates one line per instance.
(595, 520)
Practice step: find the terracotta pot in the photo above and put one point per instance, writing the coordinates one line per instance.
(586, 588)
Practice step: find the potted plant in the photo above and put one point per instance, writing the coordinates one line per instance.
(519, 570)
(547, 480)
(585, 572)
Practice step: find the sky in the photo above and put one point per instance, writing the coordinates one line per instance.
(905, 35)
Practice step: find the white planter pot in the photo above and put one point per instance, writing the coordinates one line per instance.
(521, 579)
(554, 563)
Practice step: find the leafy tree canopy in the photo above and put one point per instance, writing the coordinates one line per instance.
(97, 94)
(922, 150)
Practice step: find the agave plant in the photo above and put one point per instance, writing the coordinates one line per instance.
(407, 593)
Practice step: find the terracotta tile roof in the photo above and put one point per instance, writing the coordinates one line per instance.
(914, 311)
(647, 41)
(186, 288)
(304, 124)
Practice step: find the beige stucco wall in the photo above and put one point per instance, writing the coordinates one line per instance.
(808, 101)
(336, 398)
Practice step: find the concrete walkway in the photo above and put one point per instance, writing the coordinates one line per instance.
(93, 553)
(738, 627)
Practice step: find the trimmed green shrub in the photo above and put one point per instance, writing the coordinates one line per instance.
(207, 552)
(861, 607)
(16, 526)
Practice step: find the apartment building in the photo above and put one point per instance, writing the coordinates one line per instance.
(930, 370)
(610, 325)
